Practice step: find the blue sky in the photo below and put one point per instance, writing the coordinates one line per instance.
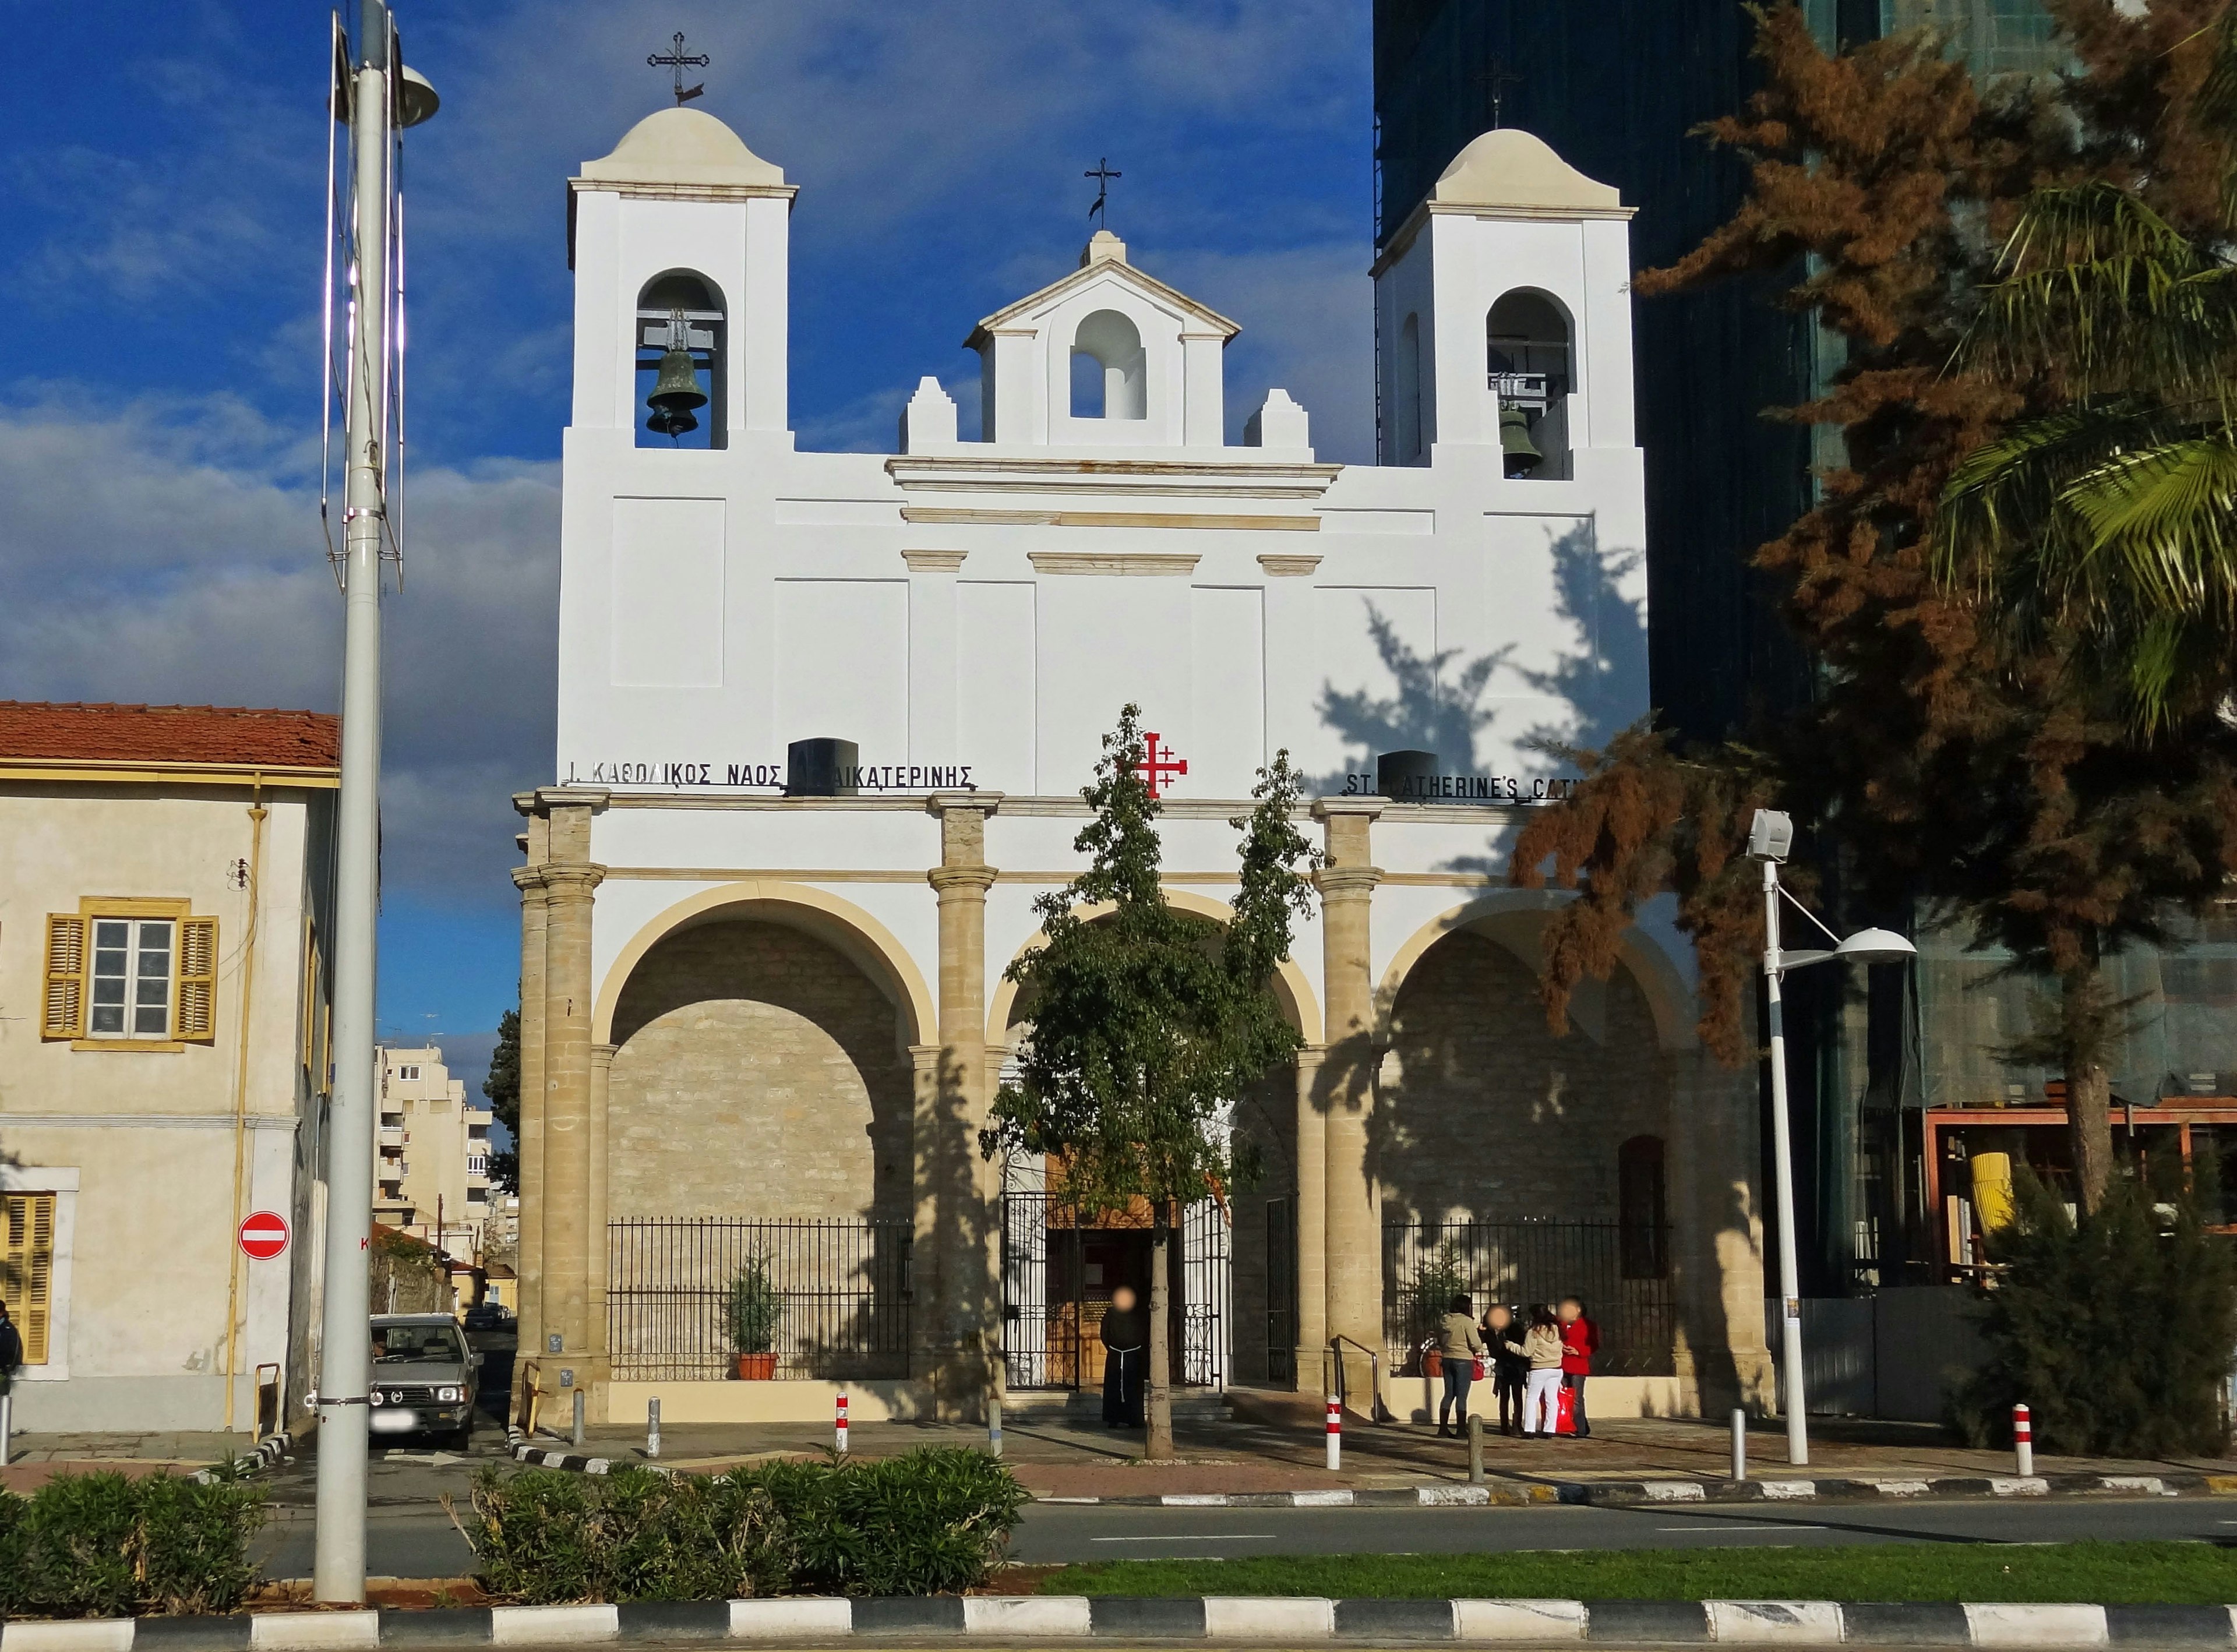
(161, 176)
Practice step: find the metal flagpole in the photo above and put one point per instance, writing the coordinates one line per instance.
(1797, 1424)
(346, 1352)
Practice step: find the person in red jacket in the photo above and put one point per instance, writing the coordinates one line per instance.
(1581, 1340)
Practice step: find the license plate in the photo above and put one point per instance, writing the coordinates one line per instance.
(391, 1421)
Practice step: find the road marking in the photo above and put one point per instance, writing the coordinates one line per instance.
(1773, 1525)
(1194, 1537)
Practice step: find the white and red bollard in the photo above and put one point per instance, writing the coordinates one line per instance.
(2024, 1442)
(1335, 1435)
(842, 1425)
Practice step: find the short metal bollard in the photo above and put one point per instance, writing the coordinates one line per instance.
(1739, 1444)
(7, 1424)
(1475, 1449)
(1335, 1434)
(2024, 1442)
(840, 1425)
(578, 1416)
(652, 1427)
(993, 1425)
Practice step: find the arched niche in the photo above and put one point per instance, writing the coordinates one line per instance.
(683, 307)
(1406, 394)
(1529, 353)
(1110, 369)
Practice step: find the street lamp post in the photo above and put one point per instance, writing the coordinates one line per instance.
(1770, 836)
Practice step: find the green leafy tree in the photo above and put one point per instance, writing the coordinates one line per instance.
(1148, 1023)
(502, 1087)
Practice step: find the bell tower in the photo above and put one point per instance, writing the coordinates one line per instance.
(679, 242)
(1503, 315)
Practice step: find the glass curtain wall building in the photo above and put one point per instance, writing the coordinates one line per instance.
(1616, 88)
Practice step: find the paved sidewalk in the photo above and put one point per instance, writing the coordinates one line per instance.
(35, 1458)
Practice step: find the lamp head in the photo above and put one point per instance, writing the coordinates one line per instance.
(1771, 835)
(1876, 945)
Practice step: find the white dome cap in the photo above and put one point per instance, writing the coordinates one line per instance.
(1510, 167)
(683, 146)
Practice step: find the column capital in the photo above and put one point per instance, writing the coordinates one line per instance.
(571, 880)
(982, 802)
(527, 879)
(1369, 807)
(544, 798)
(603, 1054)
(1311, 1054)
(1346, 883)
(969, 879)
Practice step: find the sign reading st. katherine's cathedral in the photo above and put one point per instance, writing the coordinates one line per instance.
(823, 720)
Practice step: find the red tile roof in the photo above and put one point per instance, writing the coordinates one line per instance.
(33, 729)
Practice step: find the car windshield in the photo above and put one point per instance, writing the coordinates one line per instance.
(392, 1345)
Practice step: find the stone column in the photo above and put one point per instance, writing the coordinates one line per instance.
(600, 1249)
(1715, 1211)
(528, 1239)
(1312, 1221)
(569, 880)
(1352, 1242)
(958, 1225)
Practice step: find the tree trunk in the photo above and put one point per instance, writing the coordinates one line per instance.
(2084, 1024)
(1158, 1446)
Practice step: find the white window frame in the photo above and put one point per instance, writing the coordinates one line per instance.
(133, 981)
(62, 1181)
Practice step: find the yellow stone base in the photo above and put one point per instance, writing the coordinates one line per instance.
(771, 1402)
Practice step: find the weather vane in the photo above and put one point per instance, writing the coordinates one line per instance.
(1102, 174)
(679, 60)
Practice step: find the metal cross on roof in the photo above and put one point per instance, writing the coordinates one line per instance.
(679, 60)
(1102, 174)
(1495, 79)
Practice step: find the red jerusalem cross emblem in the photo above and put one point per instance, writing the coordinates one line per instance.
(1159, 771)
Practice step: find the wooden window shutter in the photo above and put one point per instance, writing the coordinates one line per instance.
(63, 1000)
(195, 1019)
(27, 1269)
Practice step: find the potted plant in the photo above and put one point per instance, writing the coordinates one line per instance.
(751, 1316)
(1438, 1277)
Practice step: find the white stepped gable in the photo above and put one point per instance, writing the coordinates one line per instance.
(1156, 352)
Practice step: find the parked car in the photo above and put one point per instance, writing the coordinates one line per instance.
(487, 1316)
(424, 1377)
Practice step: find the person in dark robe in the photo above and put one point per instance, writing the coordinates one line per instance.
(1126, 1359)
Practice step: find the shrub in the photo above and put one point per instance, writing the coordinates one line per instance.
(934, 1522)
(751, 1310)
(2116, 1330)
(101, 1545)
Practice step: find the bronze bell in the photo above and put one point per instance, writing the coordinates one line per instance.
(676, 393)
(1523, 454)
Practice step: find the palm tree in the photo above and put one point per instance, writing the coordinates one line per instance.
(2108, 523)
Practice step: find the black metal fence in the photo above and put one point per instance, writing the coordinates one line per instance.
(840, 1287)
(1619, 1269)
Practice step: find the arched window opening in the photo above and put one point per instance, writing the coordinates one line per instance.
(680, 359)
(1527, 355)
(1406, 391)
(1110, 371)
(1643, 1232)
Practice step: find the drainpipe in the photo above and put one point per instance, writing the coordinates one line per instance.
(256, 817)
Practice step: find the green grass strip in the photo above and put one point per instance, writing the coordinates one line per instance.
(2109, 1572)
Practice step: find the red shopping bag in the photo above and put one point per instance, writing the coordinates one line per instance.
(1483, 1368)
(1565, 1411)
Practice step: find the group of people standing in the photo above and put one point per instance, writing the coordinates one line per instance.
(1534, 1359)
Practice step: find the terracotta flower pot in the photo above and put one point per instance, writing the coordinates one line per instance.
(1433, 1363)
(756, 1368)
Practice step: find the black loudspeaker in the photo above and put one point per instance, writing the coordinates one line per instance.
(822, 768)
(1407, 776)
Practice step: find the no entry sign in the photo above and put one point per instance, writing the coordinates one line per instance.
(264, 1235)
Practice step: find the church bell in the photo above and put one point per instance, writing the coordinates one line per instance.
(1522, 453)
(676, 393)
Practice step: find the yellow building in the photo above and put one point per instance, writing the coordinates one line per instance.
(432, 1175)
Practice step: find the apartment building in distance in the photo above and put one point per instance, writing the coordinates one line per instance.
(165, 905)
(432, 1177)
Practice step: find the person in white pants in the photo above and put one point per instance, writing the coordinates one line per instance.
(1541, 1346)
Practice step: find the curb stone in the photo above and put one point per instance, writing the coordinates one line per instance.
(269, 1451)
(1209, 1618)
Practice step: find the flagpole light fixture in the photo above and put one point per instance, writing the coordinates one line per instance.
(1771, 839)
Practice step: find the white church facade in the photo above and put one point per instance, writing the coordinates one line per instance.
(823, 720)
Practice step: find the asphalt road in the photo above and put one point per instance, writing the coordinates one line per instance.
(416, 1541)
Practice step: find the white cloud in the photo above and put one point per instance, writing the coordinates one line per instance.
(171, 553)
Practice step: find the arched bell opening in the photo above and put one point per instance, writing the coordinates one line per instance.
(1109, 370)
(681, 362)
(1529, 370)
(1406, 395)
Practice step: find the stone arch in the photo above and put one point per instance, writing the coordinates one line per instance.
(1113, 343)
(692, 299)
(1530, 351)
(763, 1063)
(1515, 917)
(1290, 984)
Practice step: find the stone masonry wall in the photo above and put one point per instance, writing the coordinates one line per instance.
(758, 1074)
(1482, 1112)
